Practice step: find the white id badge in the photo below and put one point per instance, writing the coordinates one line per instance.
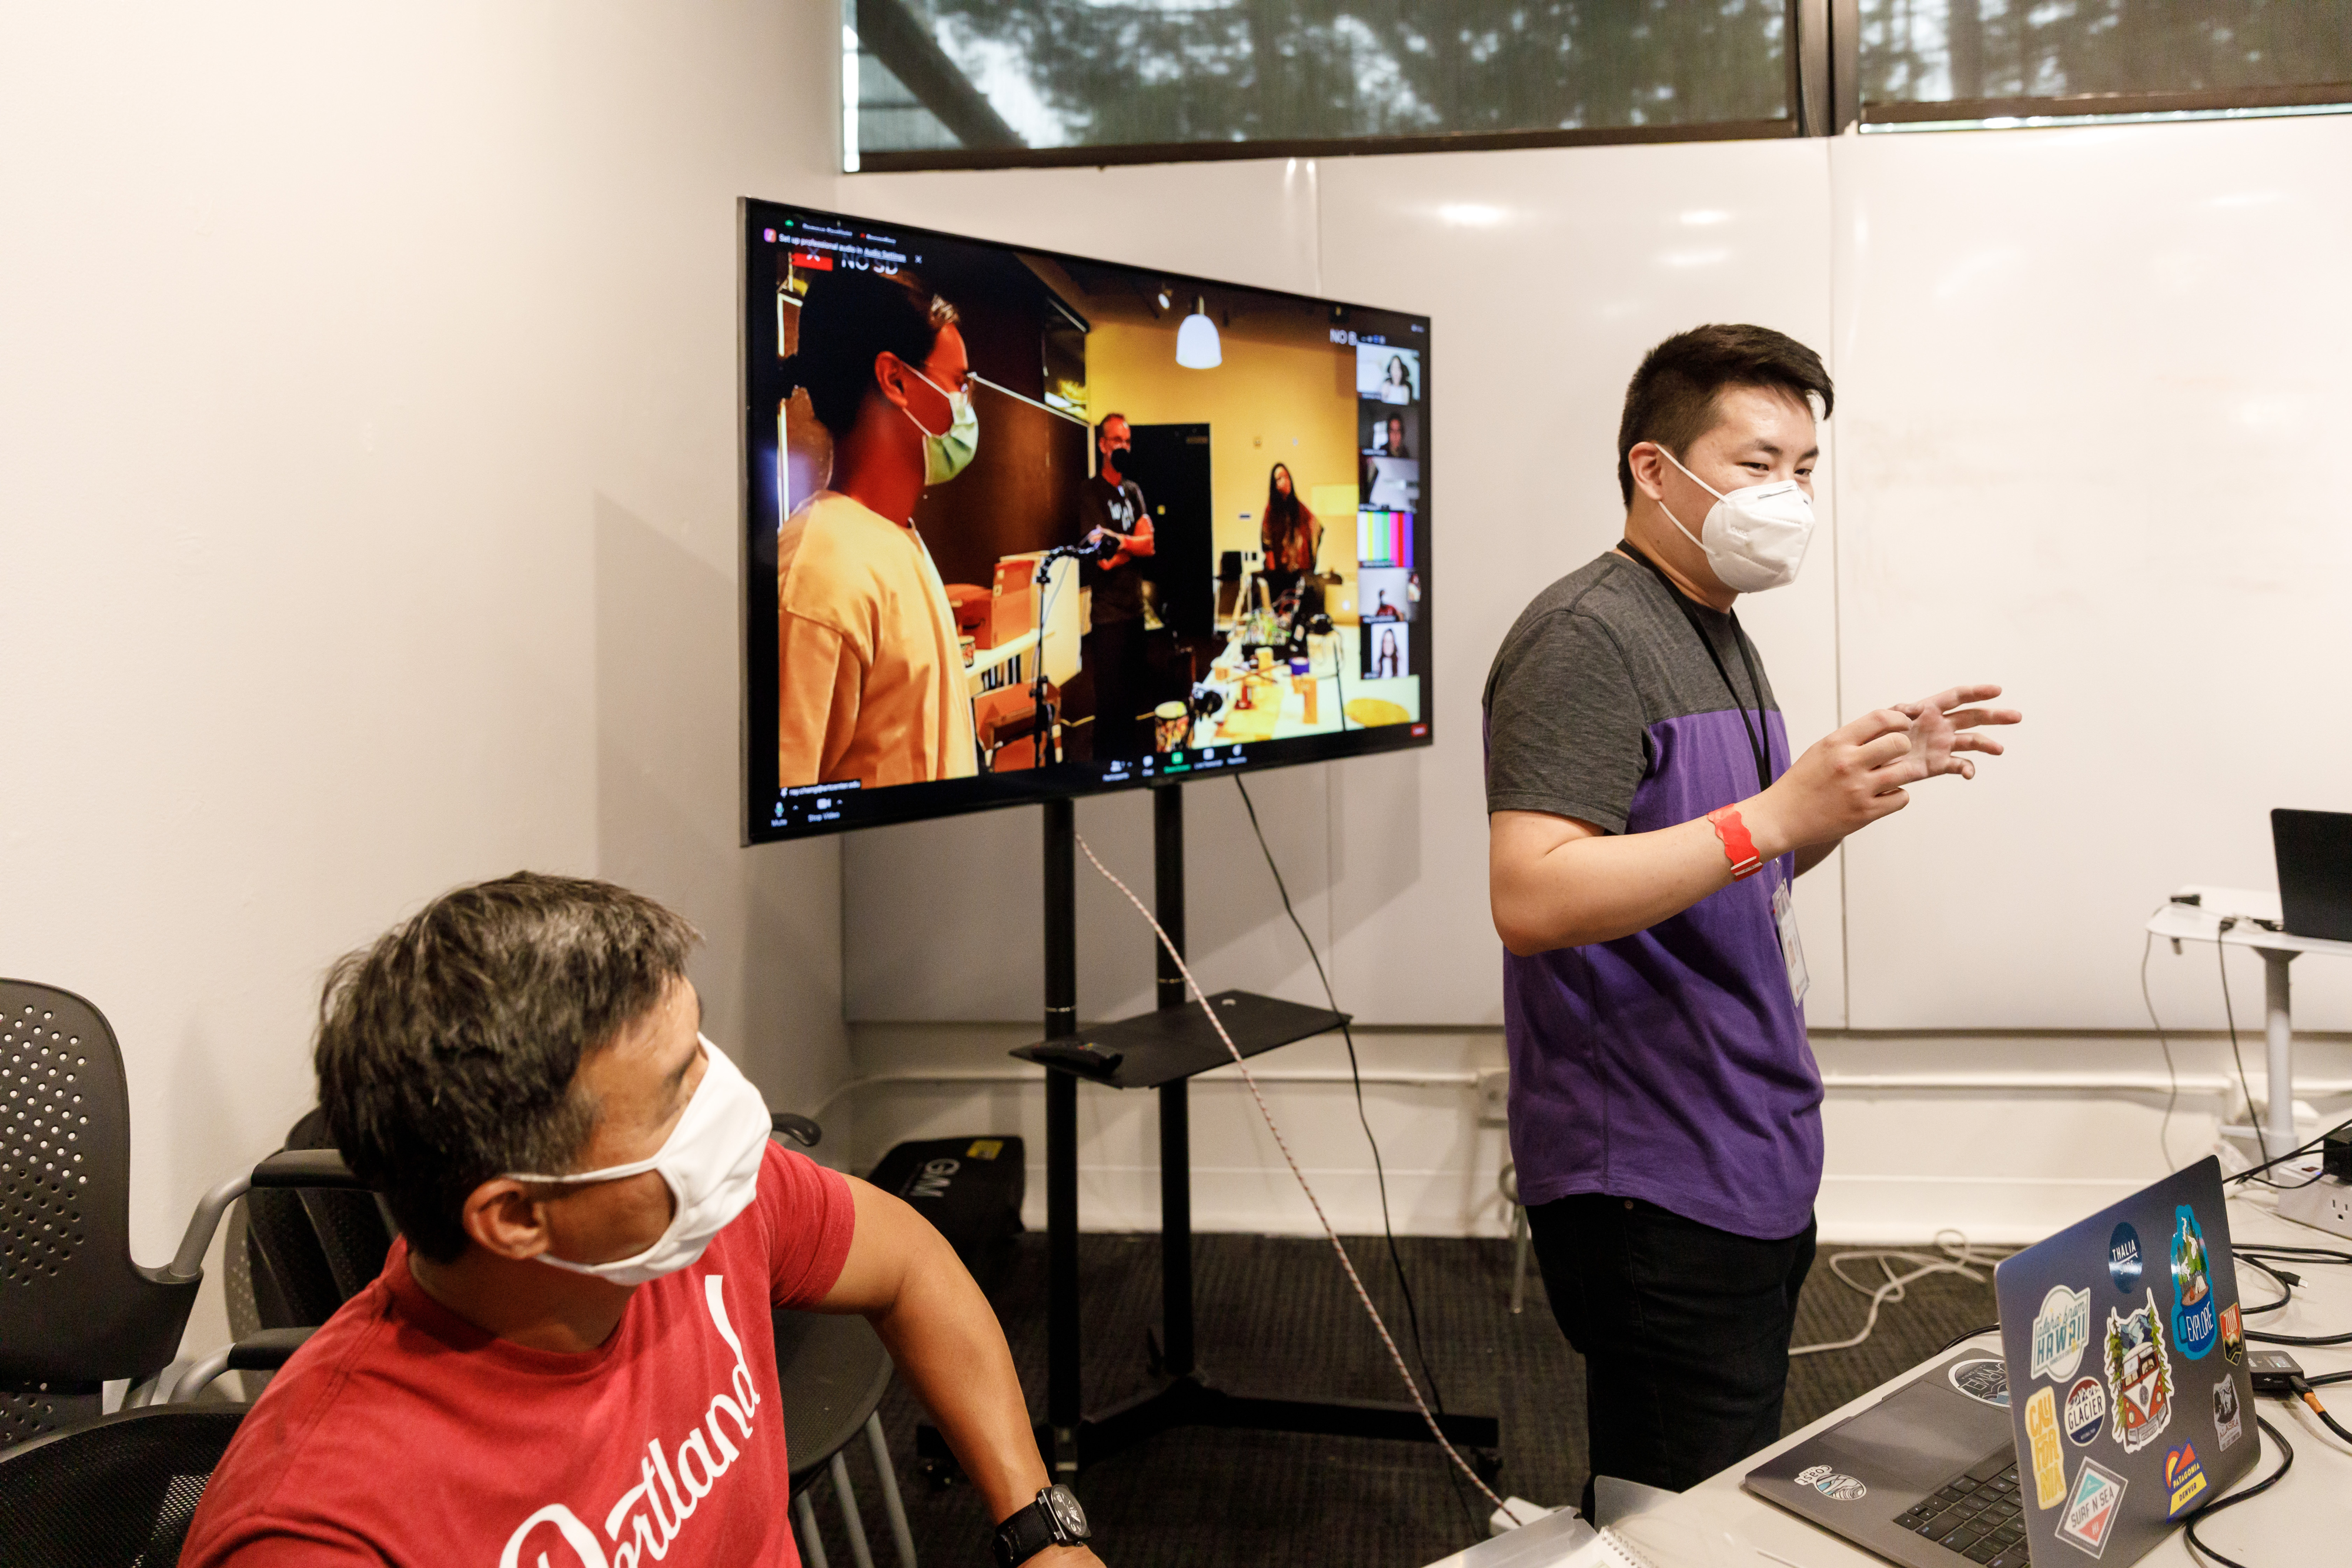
(1793, 946)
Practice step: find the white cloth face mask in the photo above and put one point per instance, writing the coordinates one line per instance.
(711, 1163)
(1755, 537)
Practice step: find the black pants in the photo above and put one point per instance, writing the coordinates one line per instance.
(1117, 656)
(1683, 1329)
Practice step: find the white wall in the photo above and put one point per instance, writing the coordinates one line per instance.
(368, 506)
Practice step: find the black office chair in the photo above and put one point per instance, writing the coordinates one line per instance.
(116, 1493)
(310, 1250)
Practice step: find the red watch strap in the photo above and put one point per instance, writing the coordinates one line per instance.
(1737, 848)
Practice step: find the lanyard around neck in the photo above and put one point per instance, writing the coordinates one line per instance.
(1755, 746)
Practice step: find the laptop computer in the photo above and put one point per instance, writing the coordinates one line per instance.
(2315, 872)
(2120, 1404)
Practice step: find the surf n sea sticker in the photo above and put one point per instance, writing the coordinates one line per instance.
(2123, 1258)
(1986, 1381)
(2233, 1337)
(2061, 1329)
(2090, 1516)
(2139, 1376)
(2049, 1456)
(1831, 1484)
(2228, 1425)
(2194, 1321)
(2184, 1479)
(2085, 1411)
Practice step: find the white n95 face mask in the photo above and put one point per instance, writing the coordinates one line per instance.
(711, 1163)
(1754, 536)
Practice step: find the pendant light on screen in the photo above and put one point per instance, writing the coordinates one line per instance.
(1197, 348)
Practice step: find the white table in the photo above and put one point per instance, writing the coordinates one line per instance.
(2303, 1519)
(2201, 922)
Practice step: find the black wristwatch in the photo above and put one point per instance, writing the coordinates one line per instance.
(1053, 1518)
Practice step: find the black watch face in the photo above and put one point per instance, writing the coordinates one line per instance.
(1067, 1515)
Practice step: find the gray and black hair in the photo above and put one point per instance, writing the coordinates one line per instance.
(449, 1051)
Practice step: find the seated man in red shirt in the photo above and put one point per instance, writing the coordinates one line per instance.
(568, 1360)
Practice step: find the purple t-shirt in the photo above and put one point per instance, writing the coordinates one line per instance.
(1670, 1065)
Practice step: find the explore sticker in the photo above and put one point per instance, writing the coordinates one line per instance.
(2061, 1329)
(2184, 1479)
(2194, 1322)
(1986, 1381)
(2228, 1424)
(2090, 1517)
(2085, 1411)
(2049, 1458)
(2139, 1375)
(2123, 1258)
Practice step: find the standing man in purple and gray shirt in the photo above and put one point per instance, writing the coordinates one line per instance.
(1644, 827)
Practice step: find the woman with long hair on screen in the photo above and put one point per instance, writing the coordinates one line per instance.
(1385, 663)
(1289, 537)
(1396, 386)
(870, 674)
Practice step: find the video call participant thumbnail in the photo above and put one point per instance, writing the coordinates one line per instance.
(869, 668)
(1112, 512)
(1644, 827)
(568, 1357)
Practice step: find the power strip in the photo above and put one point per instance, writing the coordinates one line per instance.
(2324, 1204)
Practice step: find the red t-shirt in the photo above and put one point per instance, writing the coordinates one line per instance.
(403, 1434)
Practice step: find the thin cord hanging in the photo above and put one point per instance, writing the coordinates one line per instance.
(1347, 1263)
(1962, 1260)
(2171, 1073)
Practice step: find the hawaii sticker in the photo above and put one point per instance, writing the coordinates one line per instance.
(2090, 1517)
(2062, 1330)
(2233, 1337)
(2123, 1258)
(1986, 1381)
(2228, 1424)
(2139, 1375)
(2194, 1322)
(2085, 1411)
(2049, 1458)
(2184, 1479)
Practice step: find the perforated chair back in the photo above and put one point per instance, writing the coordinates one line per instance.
(311, 1249)
(75, 1310)
(116, 1493)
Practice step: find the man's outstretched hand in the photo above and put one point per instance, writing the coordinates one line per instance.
(1944, 725)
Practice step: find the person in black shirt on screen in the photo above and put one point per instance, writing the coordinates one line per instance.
(1111, 511)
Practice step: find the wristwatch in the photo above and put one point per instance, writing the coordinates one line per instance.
(1053, 1518)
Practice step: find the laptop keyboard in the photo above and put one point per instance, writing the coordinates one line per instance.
(1977, 1514)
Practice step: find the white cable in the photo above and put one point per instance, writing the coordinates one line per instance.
(1962, 1260)
(1347, 1263)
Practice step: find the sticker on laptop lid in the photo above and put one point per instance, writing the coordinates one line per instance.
(2085, 1411)
(2184, 1479)
(1841, 1488)
(2090, 1516)
(2233, 1335)
(1986, 1381)
(2062, 1330)
(2049, 1458)
(2195, 1323)
(2228, 1424)
(2123, 1259)
(2139, 1375)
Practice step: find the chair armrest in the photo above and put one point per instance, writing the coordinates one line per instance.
(285, 1169)
(306, 1167)
(799, 1129)
(264, 1351)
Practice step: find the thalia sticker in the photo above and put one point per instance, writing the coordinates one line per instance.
(2194, 1321)
(2233, 1337)
(2184, 1479)
(2061, 1331)
(2228, 1424)
(1986, 1381)
(2090, 1517)
(2049, 1457)
(1831, 1484)
(2139, 1375)
(2086, 1411)
(2123, 1259)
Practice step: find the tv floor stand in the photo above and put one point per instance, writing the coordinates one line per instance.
(1163, 1051)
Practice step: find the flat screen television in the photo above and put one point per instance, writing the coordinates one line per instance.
(1155, 527)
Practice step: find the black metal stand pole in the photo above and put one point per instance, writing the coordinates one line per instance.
(1064, 1394)
(1175, 1111)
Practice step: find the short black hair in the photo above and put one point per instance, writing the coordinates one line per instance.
(449, 1051)
(1671, 398)
(846, 319)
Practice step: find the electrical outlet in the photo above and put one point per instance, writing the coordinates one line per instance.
(2324, 1204)
(1495, 1097)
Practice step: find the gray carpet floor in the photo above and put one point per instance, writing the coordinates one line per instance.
(1276, 1316)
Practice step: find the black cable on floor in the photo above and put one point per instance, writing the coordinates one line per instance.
(2286, 1463)
(1380, 1173)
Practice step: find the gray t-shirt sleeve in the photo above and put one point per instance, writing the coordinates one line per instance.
(1565, 732)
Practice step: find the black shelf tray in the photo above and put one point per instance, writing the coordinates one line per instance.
(1170, 1043)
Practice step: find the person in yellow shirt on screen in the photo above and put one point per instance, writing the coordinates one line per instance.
(869, 673)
